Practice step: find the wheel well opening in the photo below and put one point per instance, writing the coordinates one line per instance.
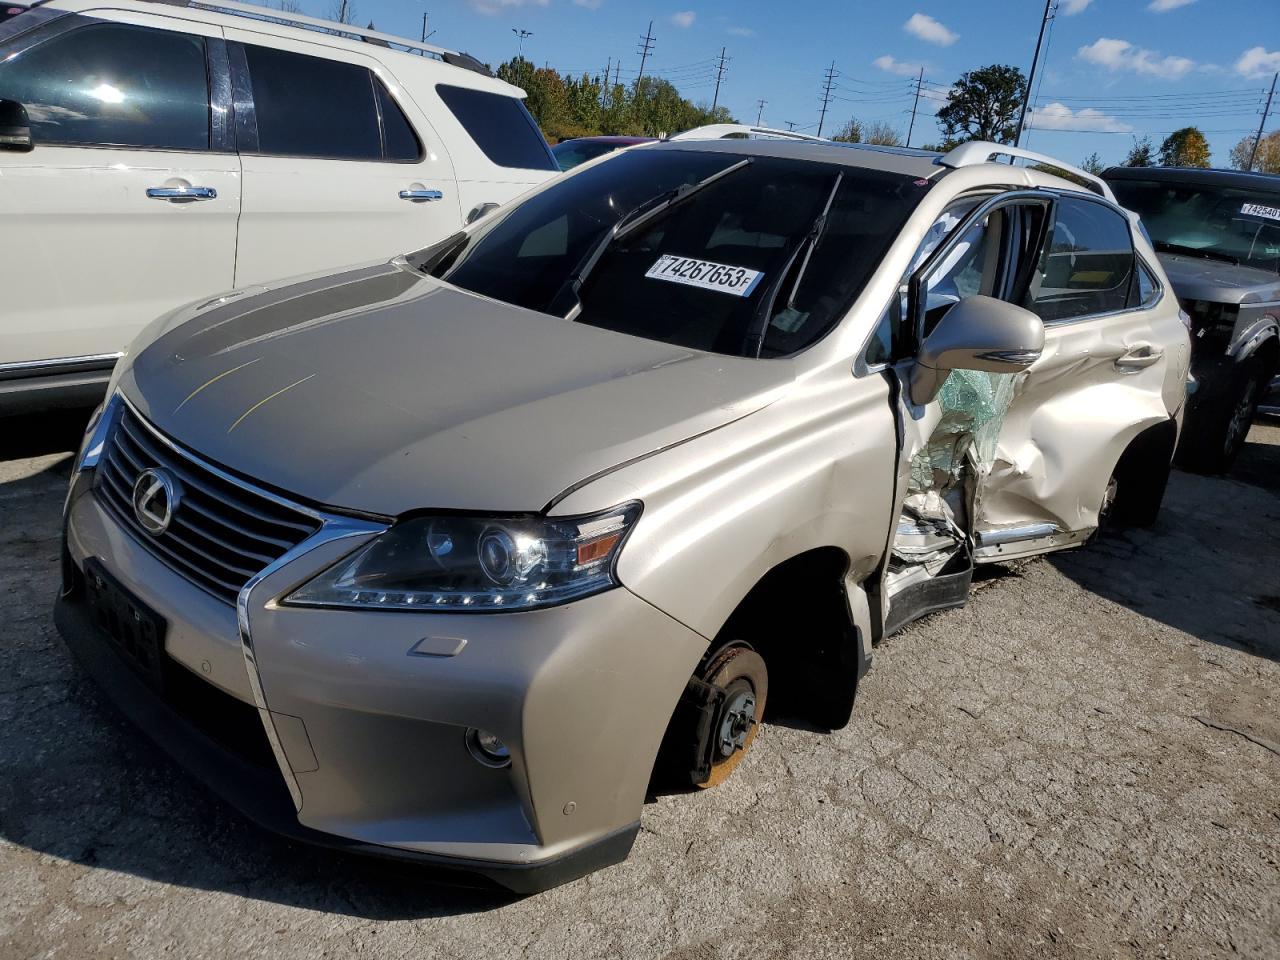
(1141, 475)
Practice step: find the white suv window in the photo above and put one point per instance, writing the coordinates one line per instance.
(114, 84)
(500, 126)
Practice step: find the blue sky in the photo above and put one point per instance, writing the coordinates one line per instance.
(1114, 68)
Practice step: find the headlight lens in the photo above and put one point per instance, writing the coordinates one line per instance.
(477, 564)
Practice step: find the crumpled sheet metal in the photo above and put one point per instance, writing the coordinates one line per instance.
(974, 405)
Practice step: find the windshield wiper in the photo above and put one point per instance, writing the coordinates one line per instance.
(566, 301)
(764, 310)
(1206, 253)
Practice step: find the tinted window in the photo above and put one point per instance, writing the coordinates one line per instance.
(116, 85)
(398, 137)
(572, 153)
(758, 218)
(1233, 223)
(500, 126)
(1148, 289)
(1087, 265)
(309, 107)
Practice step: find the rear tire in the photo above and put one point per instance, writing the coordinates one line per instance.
(1214, 434)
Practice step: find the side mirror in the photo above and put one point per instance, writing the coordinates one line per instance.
(978, 333)
(15, 128)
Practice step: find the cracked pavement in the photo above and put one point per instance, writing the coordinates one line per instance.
(1074, 765)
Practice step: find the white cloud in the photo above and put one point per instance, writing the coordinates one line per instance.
(890, 65)
(1258, 62)
(926, 28)
(1164, 6)
(490, 7)
(1070, 8)
(1121, 55)
(684, 19)
(742, 31)
(1058, 116)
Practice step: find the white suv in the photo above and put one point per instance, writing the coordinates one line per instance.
(155, 152)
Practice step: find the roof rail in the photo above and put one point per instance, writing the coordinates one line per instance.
(980, 151)
(720, 131)
(235, 8)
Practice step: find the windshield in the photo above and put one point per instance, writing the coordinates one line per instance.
(760, 262)
(1233, 224)
(571, 153)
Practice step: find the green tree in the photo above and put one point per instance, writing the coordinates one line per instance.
(984, 105)
(1185, 148)
(1093, 164)
(1267, 159)
(1140, 154)
(851, 132)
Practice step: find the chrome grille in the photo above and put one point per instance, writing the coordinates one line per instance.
(222, 532)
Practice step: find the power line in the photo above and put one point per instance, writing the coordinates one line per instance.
(724, 62)
(826, 95)
(646, 47)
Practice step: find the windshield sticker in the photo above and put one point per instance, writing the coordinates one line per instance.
(735, 281)
(1258, 210)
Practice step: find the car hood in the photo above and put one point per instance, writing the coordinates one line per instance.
(1195, 278)
(381, 390)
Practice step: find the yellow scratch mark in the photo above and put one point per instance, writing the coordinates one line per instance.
(265, 399)
(212, 381)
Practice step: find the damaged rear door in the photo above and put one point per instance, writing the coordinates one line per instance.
(1097, 385)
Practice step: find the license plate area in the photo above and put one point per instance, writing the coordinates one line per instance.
(135, 630)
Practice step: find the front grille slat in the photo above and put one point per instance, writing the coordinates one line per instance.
(221, 534)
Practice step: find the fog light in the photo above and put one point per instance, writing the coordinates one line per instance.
(487, 748)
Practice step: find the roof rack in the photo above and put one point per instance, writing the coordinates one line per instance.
(980, 151)
(720, 131)
(269, 14)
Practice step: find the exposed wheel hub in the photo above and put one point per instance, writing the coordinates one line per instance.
(737, 720)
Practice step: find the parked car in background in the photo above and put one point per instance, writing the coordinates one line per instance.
(10, 10)
(570, 153)
(1217, 233)
(436, 558)
(154, 153)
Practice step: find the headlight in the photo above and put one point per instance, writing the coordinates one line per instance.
(477, 564)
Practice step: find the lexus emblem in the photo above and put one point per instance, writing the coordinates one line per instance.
(155, 498)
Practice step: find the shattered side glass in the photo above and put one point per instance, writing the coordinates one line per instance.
(974, 404)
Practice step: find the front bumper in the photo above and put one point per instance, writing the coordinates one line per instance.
(371, 732)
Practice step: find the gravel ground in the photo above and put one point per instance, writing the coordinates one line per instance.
(1082, 763)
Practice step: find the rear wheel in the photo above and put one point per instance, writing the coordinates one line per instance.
(741, 673)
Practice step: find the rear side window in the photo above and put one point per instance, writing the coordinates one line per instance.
(312, 107)
(114, 84)
(500, 126)
(1087, 266)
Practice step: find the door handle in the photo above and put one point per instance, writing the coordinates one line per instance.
(1138, 357)
(421, 196)
(182, 194)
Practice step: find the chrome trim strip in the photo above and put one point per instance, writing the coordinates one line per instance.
(1029, 531)
(336, 528)
(95, 361)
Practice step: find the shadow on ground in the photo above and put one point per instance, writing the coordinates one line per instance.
(1209, 565)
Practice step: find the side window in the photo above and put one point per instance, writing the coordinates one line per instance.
(1087, 265)
(114, 84)
(500, 126)
(400, 143)
(1148, 288)
(312, 107)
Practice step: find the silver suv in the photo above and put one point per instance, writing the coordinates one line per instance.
(449, 558)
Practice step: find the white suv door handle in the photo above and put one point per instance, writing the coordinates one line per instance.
(182, 194)
(1138, 357)
(421, 196)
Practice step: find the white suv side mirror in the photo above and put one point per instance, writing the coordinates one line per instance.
(15, 128)
(978, 333)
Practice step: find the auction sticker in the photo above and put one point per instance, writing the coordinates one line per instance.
(1258, 210)
(736, 281)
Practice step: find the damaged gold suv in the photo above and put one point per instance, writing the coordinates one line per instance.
(447, 558)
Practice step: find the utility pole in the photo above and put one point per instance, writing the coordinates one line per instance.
(719, 76)
(604, 84)
(1049, 12)
(617, 69)
(646, 47)
(791, 125)
(826, 95)
(522, 34)
(1253, 154)
(914, 106)
(760, 112)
